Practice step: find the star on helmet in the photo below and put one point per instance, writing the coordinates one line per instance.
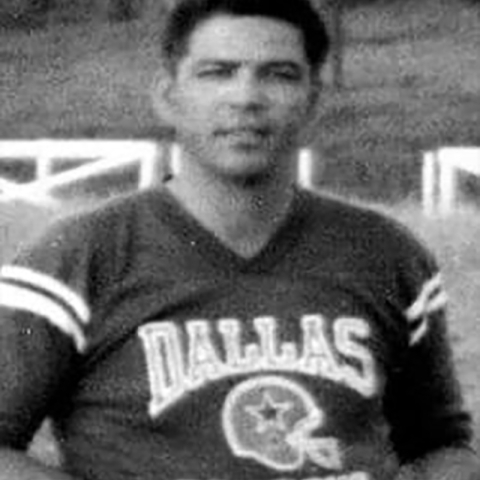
(269, 413)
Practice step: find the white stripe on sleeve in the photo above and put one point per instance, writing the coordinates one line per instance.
(49, 284)
(419, 333)
(22, 298)
(432, 299)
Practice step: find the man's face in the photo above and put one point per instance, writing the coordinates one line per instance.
(241, 95)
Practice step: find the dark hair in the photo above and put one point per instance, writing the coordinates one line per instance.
(185, 16)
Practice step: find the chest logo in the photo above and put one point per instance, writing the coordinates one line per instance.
(182, 358)
(276, 422)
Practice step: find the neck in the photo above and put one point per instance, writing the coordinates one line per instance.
(242, 213)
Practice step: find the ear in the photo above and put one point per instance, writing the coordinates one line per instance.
(162, 96)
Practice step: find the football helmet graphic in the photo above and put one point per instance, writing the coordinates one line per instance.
(271, 419)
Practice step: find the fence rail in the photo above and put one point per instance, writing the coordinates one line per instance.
(100, 157)
(439, 177)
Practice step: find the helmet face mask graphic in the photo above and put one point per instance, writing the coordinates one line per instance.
(271, 420)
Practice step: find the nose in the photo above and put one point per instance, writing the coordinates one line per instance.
(247, 93)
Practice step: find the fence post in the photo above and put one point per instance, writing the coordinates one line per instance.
(447, 184)
(305, 168)
(429, 182)
(175, 159)
(150, 166)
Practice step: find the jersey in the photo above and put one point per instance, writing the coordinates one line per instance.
(162, 355)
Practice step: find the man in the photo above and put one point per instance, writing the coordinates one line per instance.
(229, 325)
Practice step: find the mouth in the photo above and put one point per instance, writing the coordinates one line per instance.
(245, 135)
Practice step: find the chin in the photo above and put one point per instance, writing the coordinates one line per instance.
(247, 164)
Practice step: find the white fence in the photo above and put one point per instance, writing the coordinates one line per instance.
(440, 177)
(100, 157)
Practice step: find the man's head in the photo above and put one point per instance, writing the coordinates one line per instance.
(242, 85)
(186, 16)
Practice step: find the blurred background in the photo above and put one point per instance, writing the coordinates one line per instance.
(403, 79)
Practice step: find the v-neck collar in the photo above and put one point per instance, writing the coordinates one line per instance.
(210, 248)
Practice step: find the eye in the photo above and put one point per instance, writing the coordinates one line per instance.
(284, 73)
(217, 72)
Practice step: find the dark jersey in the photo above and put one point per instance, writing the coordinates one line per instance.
(162, 355)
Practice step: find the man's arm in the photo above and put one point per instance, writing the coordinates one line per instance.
(42, 320)
(430, 427)
(16, 465)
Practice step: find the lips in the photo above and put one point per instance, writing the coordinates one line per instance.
(245, 133)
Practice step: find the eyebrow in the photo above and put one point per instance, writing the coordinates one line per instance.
(215, 62)
(211, 62)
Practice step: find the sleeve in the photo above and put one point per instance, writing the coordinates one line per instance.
(44, 312)
(423, 396)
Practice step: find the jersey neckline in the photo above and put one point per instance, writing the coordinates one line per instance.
(210, 248)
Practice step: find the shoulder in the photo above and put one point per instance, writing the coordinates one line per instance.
(61, 274)
(118, 211)
(106, 223)
(363, 227)
(83, 246)
(375, 248)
